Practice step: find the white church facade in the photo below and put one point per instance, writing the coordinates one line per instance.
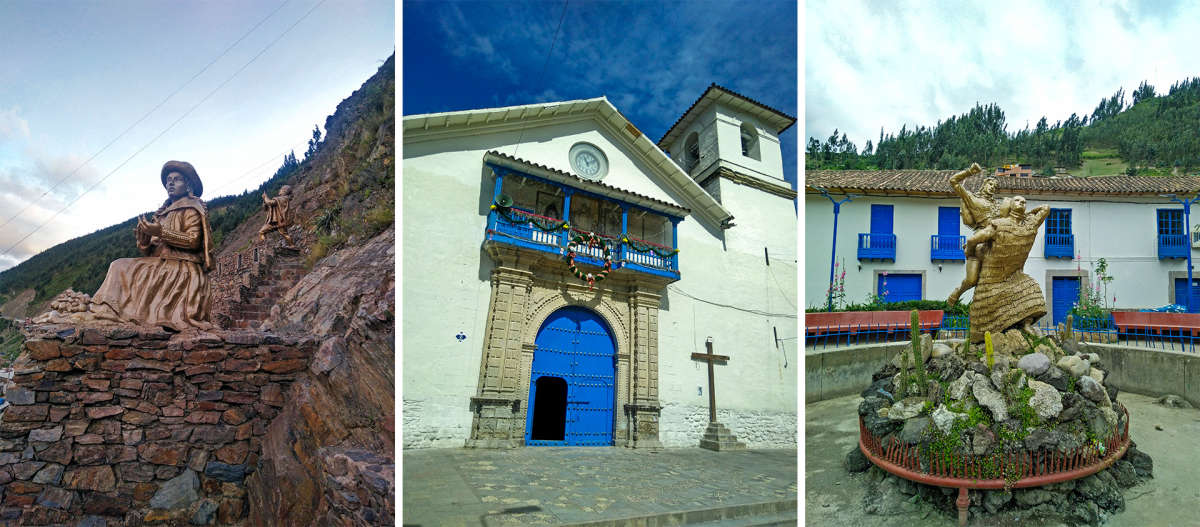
(904, 230)
(517, 333)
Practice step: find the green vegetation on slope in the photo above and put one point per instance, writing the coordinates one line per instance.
(1152, 135)
(360, 205)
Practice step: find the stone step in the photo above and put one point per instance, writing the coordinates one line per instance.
(781, 512)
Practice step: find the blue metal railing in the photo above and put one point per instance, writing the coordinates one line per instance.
(943, 247)
(525, 229)
(1087, 329)
(881, 246)
(1173, 246)
(1060, 246)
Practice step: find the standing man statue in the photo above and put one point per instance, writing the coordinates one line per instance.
(976, 212)
(279, 214)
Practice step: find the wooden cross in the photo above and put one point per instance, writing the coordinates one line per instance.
(710, 358)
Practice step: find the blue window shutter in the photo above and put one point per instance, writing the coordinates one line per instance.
(881, 219)
(1181, 291)
(1059, 221)
(948, 221)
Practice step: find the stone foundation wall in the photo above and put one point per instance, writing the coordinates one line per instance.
(129, 426)
(684, 425)
(246, 284)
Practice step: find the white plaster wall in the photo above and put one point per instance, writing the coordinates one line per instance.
(446, 290)
(729, 137)
(1124, 233)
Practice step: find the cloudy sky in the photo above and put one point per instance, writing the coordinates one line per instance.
(883, 64)
(652, 60)
(83, 84)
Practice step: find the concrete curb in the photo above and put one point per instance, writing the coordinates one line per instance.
(697, 516)
(837, 372)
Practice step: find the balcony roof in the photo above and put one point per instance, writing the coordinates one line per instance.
(662, 169)
(575, 181)
(937, 182)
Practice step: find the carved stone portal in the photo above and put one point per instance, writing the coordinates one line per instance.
(527, 287)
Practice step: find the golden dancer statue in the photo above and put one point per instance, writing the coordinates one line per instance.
(1005, 296)
(976, 212)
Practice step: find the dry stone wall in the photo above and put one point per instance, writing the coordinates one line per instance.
(134, 426)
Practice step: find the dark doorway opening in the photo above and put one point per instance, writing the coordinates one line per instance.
(550, 409)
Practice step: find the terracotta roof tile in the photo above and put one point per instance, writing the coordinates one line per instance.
(938, 182)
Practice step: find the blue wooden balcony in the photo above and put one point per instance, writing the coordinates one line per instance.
(947, 247)
(1173, 246)
(876, 246)
(521, 228)
(1060, 246)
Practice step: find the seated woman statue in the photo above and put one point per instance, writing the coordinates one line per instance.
(169, 286)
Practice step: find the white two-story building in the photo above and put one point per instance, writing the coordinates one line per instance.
(902, 234)
(506, 344)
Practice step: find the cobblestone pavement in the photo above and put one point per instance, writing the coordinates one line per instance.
(554, 485)
(834, 498)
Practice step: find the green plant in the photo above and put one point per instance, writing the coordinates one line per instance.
(836, 293)
(918, 362)
(987, 346)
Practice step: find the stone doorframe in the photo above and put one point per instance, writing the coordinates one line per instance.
(527, 287)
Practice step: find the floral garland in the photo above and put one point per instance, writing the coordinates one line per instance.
(541, 224)
(662, 252)
(589, 240)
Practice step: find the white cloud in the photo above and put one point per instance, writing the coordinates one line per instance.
(868, 66)
(12, 124)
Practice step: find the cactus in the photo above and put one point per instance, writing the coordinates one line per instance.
(903, 375)
(918, 363)
(1070, 333)
(987, 346)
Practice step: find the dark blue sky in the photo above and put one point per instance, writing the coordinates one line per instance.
(652, 60)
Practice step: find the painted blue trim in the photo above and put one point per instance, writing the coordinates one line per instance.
(878, 246)
(947, 247)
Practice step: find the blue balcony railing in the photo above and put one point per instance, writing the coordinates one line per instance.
(878, 246)
(1172, 246)
(1060, 246)
(944, 247)
(521, 228)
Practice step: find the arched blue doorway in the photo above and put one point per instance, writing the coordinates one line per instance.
(576, 351)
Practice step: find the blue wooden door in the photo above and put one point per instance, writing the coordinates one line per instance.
(881, 219)
(948, 221)
(899, 287)
(574, 366)
(1065, 290)
(1181, 292)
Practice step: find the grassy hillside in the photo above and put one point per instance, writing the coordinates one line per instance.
(346, 183)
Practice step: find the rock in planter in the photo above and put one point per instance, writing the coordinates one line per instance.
(856, 461)
(1046, 401)
(990, 398)
(944, 419)
(907, 408)
(1088, 387)
(961, 386)
(915, 430)
(1055, 377)
(994, 500)
(1034, 364)
(1075, 365)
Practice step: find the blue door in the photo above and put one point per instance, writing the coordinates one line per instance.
(1181, 292)
(571, 386)
(899, 287)
(948, 221)
(1066, 293)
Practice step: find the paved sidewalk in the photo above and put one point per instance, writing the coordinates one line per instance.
(556, 485)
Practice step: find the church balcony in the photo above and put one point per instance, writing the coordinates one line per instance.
(947, 247)
(526, 213)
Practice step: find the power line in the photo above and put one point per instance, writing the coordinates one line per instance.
(758, 312)
(172, 125)
(147, 114)
(545, 63)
